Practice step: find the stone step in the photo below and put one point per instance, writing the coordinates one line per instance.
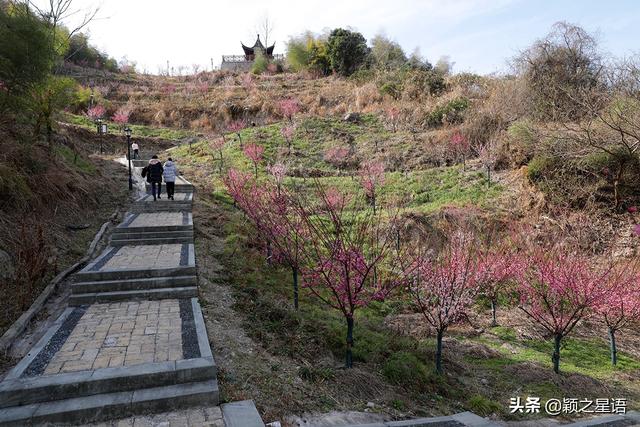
(151, 207)
(153, 229)
(241, 414)
(137, 295)
(179, 188)
(133, 284)
(145, 241)
(30, 390)
(100, 407)
(120, 235)
(124, 274)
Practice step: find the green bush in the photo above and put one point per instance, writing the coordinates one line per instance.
(13, 186)
(538, 167)
(451, 112)
(260, 64)
(390, 89)
(308, 52)
(404, 368)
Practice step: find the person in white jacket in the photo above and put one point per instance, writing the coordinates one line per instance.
(169, 174)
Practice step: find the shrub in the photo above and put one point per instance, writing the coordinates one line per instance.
(419, 82)
(308, 52)
(538, 168)
(404, 368)
(260, 64)
(449, 113)
(522, 142)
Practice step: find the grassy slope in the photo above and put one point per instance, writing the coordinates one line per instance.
(394, 369)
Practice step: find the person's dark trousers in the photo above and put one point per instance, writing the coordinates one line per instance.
(135, 154)
(153, 189)
(171, 189)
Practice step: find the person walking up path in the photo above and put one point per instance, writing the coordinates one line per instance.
(169, 175)
(153, 173)
(136, 150)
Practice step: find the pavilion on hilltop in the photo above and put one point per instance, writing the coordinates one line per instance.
(245, 62)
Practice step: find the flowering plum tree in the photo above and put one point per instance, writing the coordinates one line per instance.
(218, 145)
(269, 208)
(287, 134)
(443, 287)
(121, 116)
(254, 153)
(371, 178)
(278, 171)
(288, 108)
(488, 155)
(496, 268)
(393, 116)
(97, 112)
(236, 127)
(337, 156)
(247, 82)
(347, 258)
(620, 307)
(460, 146)
(558, 290)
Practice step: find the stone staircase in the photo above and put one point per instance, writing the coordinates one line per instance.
(181, 186)
(133, 339)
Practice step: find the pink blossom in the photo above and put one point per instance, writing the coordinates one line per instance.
(236, 126)
(558, 290)
(96, 112)
(393, 115)
(289, 107)
(278, 171)
(254, 152)
(247, 82)
(287, 132)
(636, 229)
(632, 209)
(337, 156)
(371, 178)
(217, 144)
(443, 287)
(168, 89)
(121, 116)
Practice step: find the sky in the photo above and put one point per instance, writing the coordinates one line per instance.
(478, 35)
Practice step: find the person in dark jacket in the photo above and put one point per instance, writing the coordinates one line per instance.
(154, 176)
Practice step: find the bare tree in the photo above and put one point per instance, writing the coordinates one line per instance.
(559, 67)
(59, 11)
(265, 27)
